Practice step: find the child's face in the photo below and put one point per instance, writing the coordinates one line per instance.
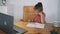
(37, 11)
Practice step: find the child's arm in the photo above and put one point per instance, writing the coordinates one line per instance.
(42, 18)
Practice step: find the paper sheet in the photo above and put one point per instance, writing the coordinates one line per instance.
(35, 25)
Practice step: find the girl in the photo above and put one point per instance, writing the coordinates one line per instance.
(39, 15)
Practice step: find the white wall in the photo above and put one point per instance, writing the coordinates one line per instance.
(0, 2)
(3, 9)
(58, 11)
(50, 8)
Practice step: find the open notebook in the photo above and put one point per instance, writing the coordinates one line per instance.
(35, 25)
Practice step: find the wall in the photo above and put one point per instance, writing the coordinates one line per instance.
(50, 8)
(0, 2)
(59, 11)
(3, 9)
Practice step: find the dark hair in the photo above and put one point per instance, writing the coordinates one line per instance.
(38, 6)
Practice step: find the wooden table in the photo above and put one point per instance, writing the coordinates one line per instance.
(46, 30)
(58, 29)
(2, 32)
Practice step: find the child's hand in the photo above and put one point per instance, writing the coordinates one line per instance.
(41, 13)
(42, 17)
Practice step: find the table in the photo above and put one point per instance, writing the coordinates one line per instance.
(58, 29)
(46, 30)
(2, 32)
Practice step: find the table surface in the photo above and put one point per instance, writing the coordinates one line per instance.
(2, 32)
(48, 27)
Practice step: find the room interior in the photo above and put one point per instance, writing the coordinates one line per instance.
(22, 10)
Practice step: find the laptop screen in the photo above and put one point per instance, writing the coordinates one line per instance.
(6, 23)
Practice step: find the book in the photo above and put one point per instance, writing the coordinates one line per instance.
(35, 25)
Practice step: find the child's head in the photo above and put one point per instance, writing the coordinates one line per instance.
(38, 7)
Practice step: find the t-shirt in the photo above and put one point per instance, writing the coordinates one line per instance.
(36, 18)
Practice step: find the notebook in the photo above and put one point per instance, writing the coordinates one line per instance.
(35, 25)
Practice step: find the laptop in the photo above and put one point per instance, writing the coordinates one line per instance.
(6, 23)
